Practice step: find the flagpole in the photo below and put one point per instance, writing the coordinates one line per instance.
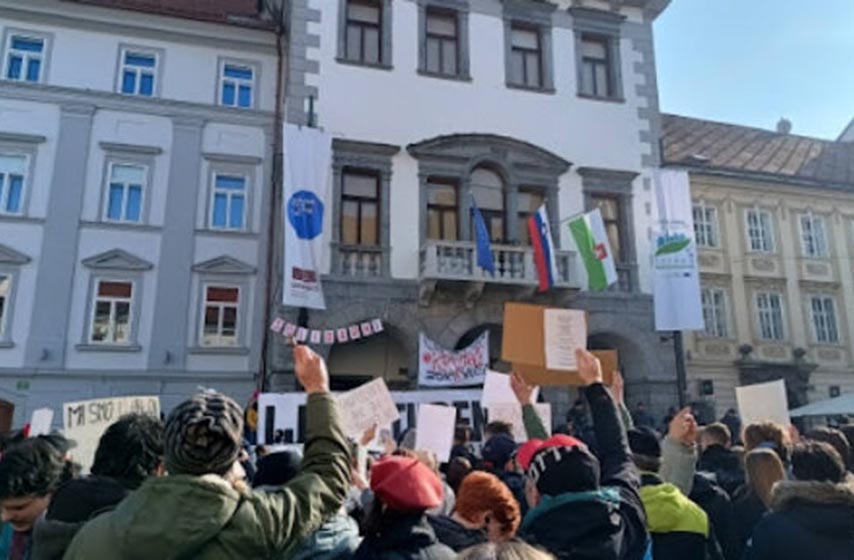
(681, 378)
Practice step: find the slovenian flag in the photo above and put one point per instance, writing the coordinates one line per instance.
(544, 252)
(588, 230)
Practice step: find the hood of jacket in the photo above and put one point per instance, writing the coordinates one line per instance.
(51, 538)
(404, 536)
(452, 533)
(820, 507)
(668, 510)
(337, 538)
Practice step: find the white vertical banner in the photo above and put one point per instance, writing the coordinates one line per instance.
(676, 278)
(307, 157)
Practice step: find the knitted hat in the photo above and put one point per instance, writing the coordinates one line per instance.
(277, 468)
(498, 449)
(644, 441)
(559, 465)
(203, 435)
(404, 484)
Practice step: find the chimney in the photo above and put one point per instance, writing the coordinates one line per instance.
(784, 126)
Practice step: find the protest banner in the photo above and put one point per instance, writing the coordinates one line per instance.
(436, 430)
(85, 421)
(496, 389)
(438, 367)
(763, 402)
(41, 421)
(366, 406)
(512, 414)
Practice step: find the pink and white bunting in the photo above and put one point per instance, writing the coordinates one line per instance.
(328, 337)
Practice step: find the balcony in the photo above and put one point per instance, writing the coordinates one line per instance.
(514, 265)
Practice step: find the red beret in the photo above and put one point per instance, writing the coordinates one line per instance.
(405, 484)
(531, 447)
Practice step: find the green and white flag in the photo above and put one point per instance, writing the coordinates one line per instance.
(592, 242)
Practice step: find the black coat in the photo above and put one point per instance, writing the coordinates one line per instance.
(454, 535)
(747, 510)
(724, 466)
(717, 505)
(808, 520)
(405, 537)
(609, 524)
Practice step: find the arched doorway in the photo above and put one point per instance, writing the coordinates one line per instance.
(495, 334)
(355, 363)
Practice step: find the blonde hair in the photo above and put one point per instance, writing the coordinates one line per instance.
(764, 469)
(767, 434)
(510, 550)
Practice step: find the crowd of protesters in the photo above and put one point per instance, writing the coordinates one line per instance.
(611, 488)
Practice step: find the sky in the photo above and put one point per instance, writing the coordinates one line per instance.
(752, 62)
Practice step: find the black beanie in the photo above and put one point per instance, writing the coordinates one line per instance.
(277, 469)
(644, 441)
(203, 435)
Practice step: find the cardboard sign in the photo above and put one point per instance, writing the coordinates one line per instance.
(41, 421)
(496, 390)
(763, 402)
(523, 345)
(512, 414)
(365, 406)
(85, 421)
(436, 430)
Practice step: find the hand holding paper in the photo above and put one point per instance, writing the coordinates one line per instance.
(589, 367)
(565, 330)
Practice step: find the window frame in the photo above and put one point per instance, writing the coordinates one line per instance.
(813, 219)
(359, 200)
(384, 32)
(47, 38)
(255, 90)
(239, 318)
(95, 297)
(459, 10)
(535, 16)
(112, 162)
(26, 183)
(771, 240)
(605, 26)
(442, 209)
(212, 192)
(159, 60)
(721, 316)
(825, 298)
(7, 316)
(758, 314)
(525, 53)
(443, 41)
(711, 227)
(607, 62)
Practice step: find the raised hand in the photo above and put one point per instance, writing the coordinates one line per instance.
(523, 391)
(310, 370)
(683, 427)
(589, 367)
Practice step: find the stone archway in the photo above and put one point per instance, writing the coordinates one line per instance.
(381, 355)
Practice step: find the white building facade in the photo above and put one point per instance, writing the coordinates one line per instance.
(135, 160)
(513, 103)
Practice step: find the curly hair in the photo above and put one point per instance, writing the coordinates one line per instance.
(130, 450)
(32, 467)
(482, 492)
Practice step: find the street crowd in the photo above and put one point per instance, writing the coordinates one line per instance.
(187, 489)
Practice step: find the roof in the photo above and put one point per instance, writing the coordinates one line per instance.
(746, 151)
(236, 12)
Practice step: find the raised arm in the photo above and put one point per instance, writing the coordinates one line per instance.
(679, 451)
(524, 394)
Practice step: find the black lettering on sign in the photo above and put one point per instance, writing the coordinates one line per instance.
(76, 416)
(269, 423)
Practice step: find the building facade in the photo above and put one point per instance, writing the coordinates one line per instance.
(513, 103)
(774, 220)
(135, 159)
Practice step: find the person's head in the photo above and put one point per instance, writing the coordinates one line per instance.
(458, 469)
(835, 438)
(130, 450)
(277, 469)
(486, 502)
(715, 434)
(497, 427)
(510, 550)
(405, 484)
(769, 435)
(30, 472)
(462, 434)
(646, 449)
(764, 469)
(203, 435)
(817, 461)
(558, 465)
(498, 451)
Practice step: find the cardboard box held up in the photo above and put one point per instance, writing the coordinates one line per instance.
(523, 346)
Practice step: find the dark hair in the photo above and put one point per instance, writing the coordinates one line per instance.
(130, 450)
(816, 460)
(767, 434)
(718, 432)
(835, 438)
(499, 427)
(458, 469)
(462, 433)
(32, 467)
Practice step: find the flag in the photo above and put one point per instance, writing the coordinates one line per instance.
(544, 253)
(588, 230)
(484, 247)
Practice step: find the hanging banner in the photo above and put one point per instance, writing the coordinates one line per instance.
(438, 367)
(676, 278)
(307, 157)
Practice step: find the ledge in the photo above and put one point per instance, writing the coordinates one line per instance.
(378, 66)
(588, 97)
(6, 344)
(232, 158)
(227, 233)
(22, 138)
(543, 90)
(220, 351)
(449, 77)
(131, 148)
(126, 226)
(123, 348)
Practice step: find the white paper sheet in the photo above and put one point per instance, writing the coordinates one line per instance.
(41, 421)
(365, 406)
(763, 402)
(512, 413)
(496, 389)
(565, 331)
(435, 430)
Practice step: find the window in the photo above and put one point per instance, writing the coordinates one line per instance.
(5, 292)
(529, 202)
(13, 175)
(487, 188)
(609, 206)
(138, 73)
(111, 313)
(813, 238)
(596, 67)
(363, 31)
(769, 309)
(237, 83)
(824, 319)
(25, 58)
(124, 193)
(442, 210)
(525, 57)
(760, 232)
(229, 202)
(705, 225)
(714, 312)
(219, 327)
(360, 209)
(442, 40)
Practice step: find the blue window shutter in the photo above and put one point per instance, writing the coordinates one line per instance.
(134, 208)
(228, 94)
(33, 70)
(114, 207)
(235, 220)
(146, 85)
(14, 71)
(128, 82)
(245, 96)
(220, 204)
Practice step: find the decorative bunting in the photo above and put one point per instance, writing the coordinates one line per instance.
(302, 334)
(328, 337)
(354, 332)
(289, 330)
(366, 329)
(314, 337)
(277, 325)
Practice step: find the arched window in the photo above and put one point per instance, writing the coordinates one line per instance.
(487, 188)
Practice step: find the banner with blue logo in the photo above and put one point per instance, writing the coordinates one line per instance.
(307, 158)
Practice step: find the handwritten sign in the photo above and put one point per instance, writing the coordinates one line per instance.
(565, 331)
(85, 421)
(436, 430)
(512, 414)
(763, 402)
(365, 406)
(439, 367)
(496, 389)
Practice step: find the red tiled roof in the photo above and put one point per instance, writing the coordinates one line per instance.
(239, 12)
(743, 150)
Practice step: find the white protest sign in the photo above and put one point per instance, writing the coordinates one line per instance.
(365, 406)
(85, 421)
(496, 389)
(436, 430)
(512, 414)
(763, 402)
(41, 421)
(564, 331)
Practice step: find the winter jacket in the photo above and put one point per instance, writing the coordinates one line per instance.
(6, 535)
(678, 463)
(455, 535)
(407, 537)
(717, 505)
(205, 518)
(337, 539)
(606, 524)
(808, 519)
(724, 466)
(747, 510)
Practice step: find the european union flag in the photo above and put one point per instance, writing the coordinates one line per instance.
(484, 247)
